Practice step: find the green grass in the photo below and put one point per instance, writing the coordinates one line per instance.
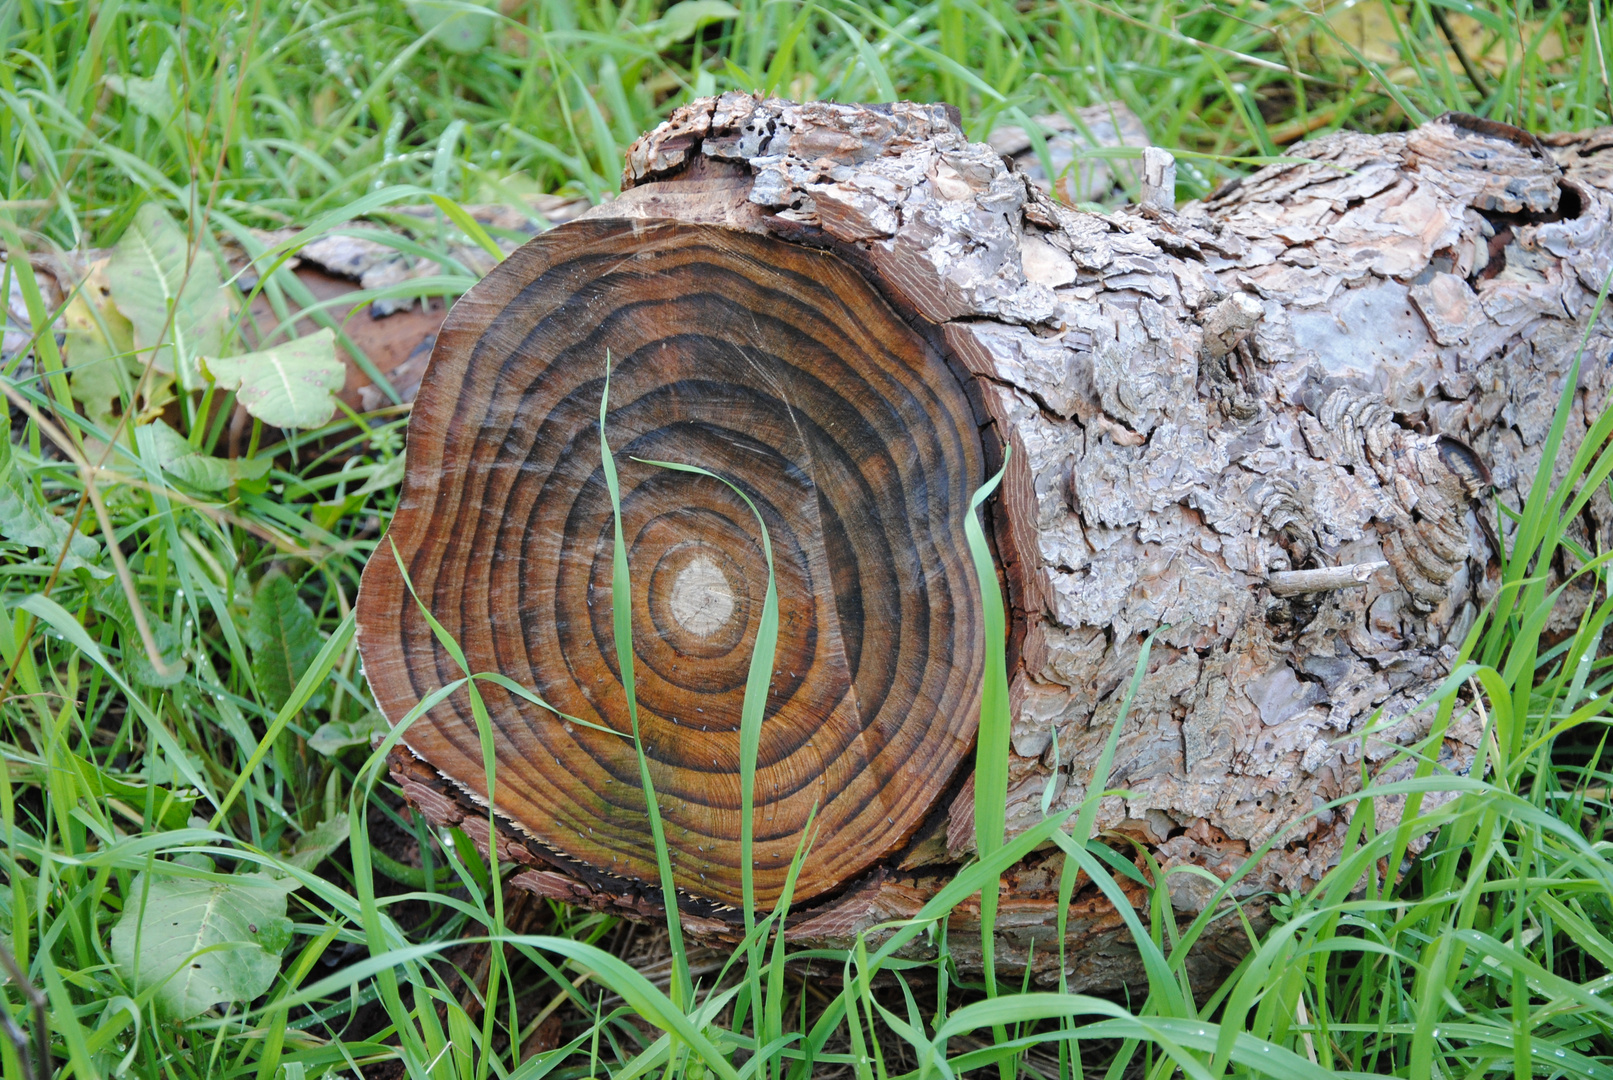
(184, 719)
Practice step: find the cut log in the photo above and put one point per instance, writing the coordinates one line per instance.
(1276, 422)
(762, 361)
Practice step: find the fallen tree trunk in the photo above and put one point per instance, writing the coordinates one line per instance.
(1276, 421)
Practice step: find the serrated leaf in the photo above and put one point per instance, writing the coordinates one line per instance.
(111, 602)
(173, 770)
(201, 943)
(331, 738)
(683, 19)
(387, 475)
(25, 520)
(284, 639)
(289, 385)
(183, 461)
(451, 25)
(150, 271)
(320, 843)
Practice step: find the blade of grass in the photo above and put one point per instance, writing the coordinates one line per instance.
(622, 628)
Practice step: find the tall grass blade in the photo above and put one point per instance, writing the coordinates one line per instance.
(622, 626)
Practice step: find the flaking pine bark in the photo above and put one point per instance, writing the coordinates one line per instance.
(1278, 421)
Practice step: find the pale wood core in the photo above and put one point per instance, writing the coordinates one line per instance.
(701, 599)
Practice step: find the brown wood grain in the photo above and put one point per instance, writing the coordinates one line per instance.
(779, 368)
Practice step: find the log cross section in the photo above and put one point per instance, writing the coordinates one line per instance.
(767, 363)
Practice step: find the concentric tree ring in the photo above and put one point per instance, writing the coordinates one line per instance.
(778, 368)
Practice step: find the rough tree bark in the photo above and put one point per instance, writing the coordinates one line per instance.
(1278, 421)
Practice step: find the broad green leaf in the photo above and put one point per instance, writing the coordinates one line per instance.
(453, 24)
(171, 808)
(283, 636)
(24, 521)
(199, 943)
(27, 521)
(320, 843)
(683, 19)
(101, 367)
(152, 96)
(152, 272)
(112, 602)
(183, 461)
(332, 737)
(171, 805)
(287, 386)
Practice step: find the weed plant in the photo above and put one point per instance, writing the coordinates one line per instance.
(204, 870)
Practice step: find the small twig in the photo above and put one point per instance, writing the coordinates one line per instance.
(1474, 75)
(1325, 579)
(1298, 128)
(5, 698)
(38, 1064)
